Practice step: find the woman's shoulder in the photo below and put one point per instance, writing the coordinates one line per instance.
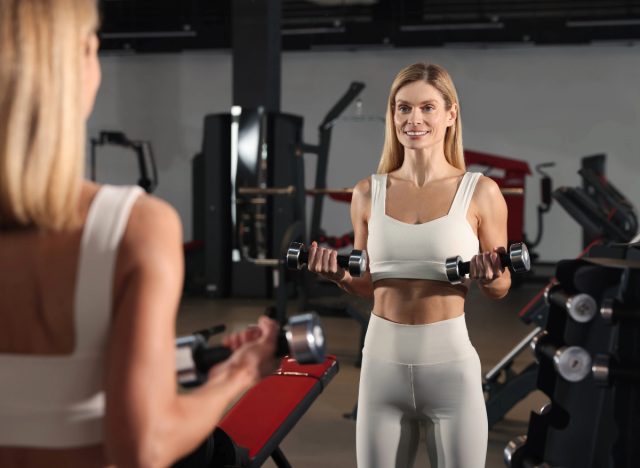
(149, 213)
(486, 186)
(153, 217)
(487, 192)
(363, 187)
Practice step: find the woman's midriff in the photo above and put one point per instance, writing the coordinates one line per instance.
(415, 301)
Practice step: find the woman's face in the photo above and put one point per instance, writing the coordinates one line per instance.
(91, 73)
(420, 116)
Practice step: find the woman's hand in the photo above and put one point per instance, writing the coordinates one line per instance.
(254, 350)
(486, 267)
(324, 262)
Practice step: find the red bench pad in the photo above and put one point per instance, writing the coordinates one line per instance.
(267, 412)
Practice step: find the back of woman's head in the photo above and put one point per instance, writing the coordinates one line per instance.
(42, 122)
(439, 78)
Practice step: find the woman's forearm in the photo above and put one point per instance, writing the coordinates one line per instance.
(179, 426)
(498, 288)
(362, 287)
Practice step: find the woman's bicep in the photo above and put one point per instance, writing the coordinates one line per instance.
(360, 207)
(492, 209)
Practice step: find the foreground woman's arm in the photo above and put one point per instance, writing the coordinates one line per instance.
(148, 423)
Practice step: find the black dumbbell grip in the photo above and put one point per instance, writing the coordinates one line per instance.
(206, 358)
(343, 260)
(546, 349)
(464, 268)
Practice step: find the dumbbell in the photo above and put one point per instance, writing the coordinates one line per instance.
(514, 454)
(572, 363)
(580, 307)
(517, 260)
(612, 311)
(302, 339)
(605, 370)
(356, 262)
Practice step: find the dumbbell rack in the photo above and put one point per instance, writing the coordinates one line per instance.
(591, 422)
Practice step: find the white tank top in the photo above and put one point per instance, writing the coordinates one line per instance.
(419, 251)
(58, 401)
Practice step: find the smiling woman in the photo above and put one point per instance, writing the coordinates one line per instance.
(429, 88)
(419, 367)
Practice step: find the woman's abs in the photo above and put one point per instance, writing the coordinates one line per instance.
(413, 302)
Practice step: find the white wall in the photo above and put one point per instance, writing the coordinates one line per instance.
(532, 103)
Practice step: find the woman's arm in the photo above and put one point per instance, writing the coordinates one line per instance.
(325, 261)
(491, 214)
(147, 423)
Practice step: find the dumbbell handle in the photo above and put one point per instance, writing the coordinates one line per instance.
(464, 268)
(343, 260)
(206, 358)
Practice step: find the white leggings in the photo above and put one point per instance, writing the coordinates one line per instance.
(420, 374)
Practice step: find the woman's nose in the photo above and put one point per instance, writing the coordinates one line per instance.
(415, 117)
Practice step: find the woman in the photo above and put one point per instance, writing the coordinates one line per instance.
(90, 276)
(422, 207)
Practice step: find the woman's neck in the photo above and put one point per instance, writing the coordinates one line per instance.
(423, 166)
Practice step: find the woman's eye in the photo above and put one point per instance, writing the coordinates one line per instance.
(403, 109)
(428, 108)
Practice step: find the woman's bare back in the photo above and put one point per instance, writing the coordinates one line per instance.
(37, 289)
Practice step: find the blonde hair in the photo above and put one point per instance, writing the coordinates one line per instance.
(42, 123)
(436, 76)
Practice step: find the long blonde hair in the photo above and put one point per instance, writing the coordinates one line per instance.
(436, 76)
(42, 122)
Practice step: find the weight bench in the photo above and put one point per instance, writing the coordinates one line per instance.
(255, 426)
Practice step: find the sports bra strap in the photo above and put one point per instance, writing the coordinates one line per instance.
(465, 193)
(378, 194)
(103, 231)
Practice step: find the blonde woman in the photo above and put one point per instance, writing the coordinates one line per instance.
(90, 276)
(419, 366)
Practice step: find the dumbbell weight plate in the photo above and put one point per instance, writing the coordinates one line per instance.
(306, 338)
(573, 363)
(293, 256)
(520, 259)
(358, 262)
(513, 452)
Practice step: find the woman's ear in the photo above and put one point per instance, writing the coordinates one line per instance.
(453, 115)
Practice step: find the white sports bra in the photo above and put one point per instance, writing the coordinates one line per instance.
(418, 251)
(58, 401)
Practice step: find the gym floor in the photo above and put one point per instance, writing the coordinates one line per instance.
(323, 437)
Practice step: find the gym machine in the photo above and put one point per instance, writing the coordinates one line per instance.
(148, 179)
(589, 367)
(249, 204)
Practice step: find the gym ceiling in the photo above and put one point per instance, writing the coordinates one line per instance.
(170, 25)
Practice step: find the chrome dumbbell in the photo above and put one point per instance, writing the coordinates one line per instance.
(514, 455)
(581, 307)
(355, 263)
(517, 260)
(302, 339)
(572, 363)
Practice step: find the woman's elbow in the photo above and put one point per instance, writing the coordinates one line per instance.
(142, 450)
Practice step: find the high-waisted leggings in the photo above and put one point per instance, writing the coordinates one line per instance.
(420, 374)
